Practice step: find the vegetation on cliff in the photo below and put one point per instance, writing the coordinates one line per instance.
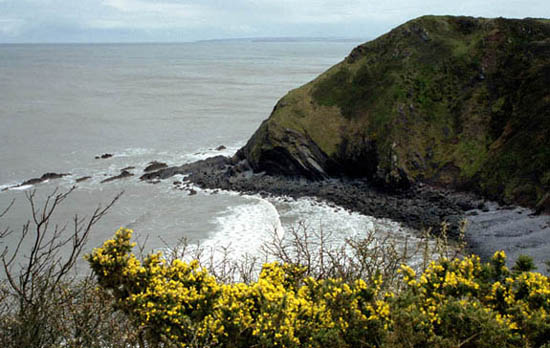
(456, 101)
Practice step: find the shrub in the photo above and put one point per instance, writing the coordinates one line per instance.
(453, 302)
(179, 302)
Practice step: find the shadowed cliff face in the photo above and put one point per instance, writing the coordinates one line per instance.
(455, 101)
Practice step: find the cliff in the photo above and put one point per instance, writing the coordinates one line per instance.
(458, 102)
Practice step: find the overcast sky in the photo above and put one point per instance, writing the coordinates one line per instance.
(190, 20)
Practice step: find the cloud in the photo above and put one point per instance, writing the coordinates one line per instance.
(141, 14)
(10, 27)
(106, 24)
(200, 19)
(177, 9)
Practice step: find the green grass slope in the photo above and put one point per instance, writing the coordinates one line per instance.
(454, 101)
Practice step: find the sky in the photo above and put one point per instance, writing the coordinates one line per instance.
(44, 21)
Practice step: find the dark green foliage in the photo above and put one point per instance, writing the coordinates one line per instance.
(524, 263)
(350, 92)
(462, 325)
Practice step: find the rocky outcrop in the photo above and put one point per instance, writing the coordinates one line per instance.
(418, 207)
(152, 166)
(455, 102)
(214, 164)
(123, 174)
(44, 177)
(104, 156)
(286, 152)
(83, 178)
(35, 181)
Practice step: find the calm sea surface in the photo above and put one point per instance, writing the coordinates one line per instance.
(61, 105)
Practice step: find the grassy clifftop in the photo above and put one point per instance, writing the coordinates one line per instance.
(454, 101)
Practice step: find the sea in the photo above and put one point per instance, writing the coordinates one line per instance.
(61, 105)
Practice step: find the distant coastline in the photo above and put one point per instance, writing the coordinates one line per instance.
(216, 40)
(290, 39)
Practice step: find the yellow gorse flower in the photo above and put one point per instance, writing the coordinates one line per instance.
(182, 303)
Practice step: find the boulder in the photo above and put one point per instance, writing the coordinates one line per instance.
(123, 174)
(152, 166)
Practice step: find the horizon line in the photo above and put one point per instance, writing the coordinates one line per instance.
(266, 39)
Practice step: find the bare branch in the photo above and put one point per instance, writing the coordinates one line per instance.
(44, 268)
(7, 208)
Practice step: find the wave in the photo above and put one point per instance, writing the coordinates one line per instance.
(339, 224)
(205, 153)
(245, 228)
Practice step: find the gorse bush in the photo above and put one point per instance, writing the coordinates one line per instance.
(468, 304)
(308, 293)
(179, 302)
(452, 303)
(45, 303)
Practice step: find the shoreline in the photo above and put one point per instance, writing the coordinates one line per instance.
(419, 207)
(490, 226)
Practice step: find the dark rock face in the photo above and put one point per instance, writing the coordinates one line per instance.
(304, 159)
(123, 174)
(155, 166)
(455, 102)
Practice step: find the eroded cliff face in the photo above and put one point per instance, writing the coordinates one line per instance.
(455, 101)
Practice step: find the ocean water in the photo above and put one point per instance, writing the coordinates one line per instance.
(62, 105)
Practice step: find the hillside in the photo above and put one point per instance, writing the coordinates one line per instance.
(457, 102)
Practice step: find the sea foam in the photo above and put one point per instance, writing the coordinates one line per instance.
(245, 228)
